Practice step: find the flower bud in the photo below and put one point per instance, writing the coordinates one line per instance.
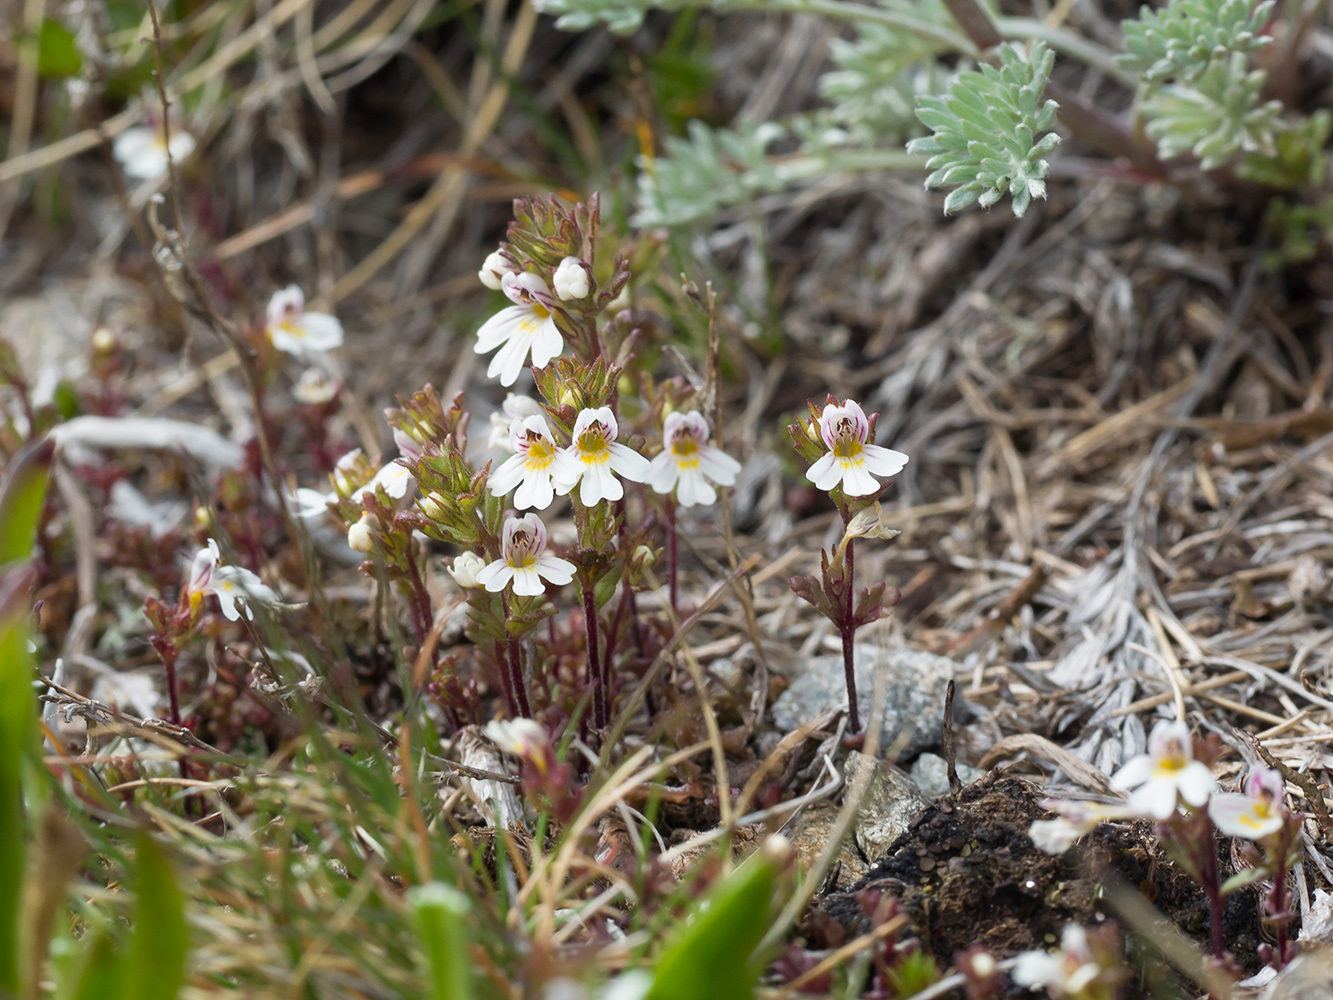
(314, 388)
(104, 341)
(573, 279)
(431, 507)
(494, 269)
(361, 536)
(465, 569)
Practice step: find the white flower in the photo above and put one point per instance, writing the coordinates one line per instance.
(494, 268)
(524, 738)
(527, 325)
(314, 388)
(594, 457)
(1166, 771)
(234, 587)
(395, 478)
(850, 460)
(1074, 819)
(1069, 970)
(572, 280)
(361, 536)
(1254, 814)
(524, 560)
(465, 569)
(688, 462)
(142, 151)
(530, 467)
(501, 420)
(296, 331)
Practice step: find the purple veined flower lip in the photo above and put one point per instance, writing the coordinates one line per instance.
(687, 464)
(595, 460)
(526, 327)
(843, 423)
(524, 561)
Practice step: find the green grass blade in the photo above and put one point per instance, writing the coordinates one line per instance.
(156, 964)
(18, 709)
(98, 973)
(21, 500)
(712, 953)
(440, 916)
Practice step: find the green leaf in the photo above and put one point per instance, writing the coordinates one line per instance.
(57, 55)
(712, 952)
(440, 915)
(99, 972)
(155, 968)
(21, 500)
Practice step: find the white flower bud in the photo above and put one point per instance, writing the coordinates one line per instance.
(465, 569)
(495, 267)
(573, 279)
(361, 536)
(104, 341)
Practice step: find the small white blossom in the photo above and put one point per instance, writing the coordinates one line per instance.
(526, 739)
(396, 479)
(527, 325)
(595, 459)
(530, 467)
(142, 151)
(493, 270)
(1068, 970)
(314, 388)
(234, 586)
(850, 459)
(296, 331)
(1074, 819)
(573, 279)
(1167, 772)
(1254, 814)
(311, 505)
(465, 569)
(524, 560)
(688, 463)
(514, 406)
(361, 536)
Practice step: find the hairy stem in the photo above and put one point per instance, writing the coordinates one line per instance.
(672, 554)
(595, 679)
(516, 680)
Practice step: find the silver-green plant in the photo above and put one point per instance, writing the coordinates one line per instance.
(1221, 114)
(990, 134)
(1187, 37)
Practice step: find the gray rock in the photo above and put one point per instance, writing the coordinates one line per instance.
(913, 710)
(931, 773)
(890, 803)
(892, 800)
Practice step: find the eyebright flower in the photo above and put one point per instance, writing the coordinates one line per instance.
(501, 419)
(526, 739)
(314, 388)
(1167, 771)
(688, 462)
(1068, 970)
(594, 457)
(296, 331)
(530, 467)
(1074, 819)
(572, 279)
(527, 325)
(524, 560)
(234, 586)
(465, 569)
(1254, 814)
(850, 460)
(493, 270)
(395, 478)
(142, 151)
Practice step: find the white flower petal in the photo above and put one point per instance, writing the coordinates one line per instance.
(858, 482)
(825, 473)
(499, 328)
(508, 475)
(495, 576)
(322, 331)
(718, 466)
(883, 461)
(662, 473)
(528, 582)
(557, 570)
(628, 463)
(547, 343)
(1136, 771)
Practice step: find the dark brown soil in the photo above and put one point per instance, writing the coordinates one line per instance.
(968, 873)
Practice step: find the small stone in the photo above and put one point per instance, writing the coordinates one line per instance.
(913, 708)
(931, 773)
(891, 802)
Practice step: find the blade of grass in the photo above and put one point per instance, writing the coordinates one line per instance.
(156, 965)
(440, 916)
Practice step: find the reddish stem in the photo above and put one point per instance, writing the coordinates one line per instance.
(516, 681)
(848, 629)
(168, 653)
(511, 707)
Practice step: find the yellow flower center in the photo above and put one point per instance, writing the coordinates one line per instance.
(686, 451)
(291, 327)
(523, 551)
(847, 448)
(593, 447)
(540, 451)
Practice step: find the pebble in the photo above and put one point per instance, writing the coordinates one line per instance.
(913, 710)
(931, 773)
